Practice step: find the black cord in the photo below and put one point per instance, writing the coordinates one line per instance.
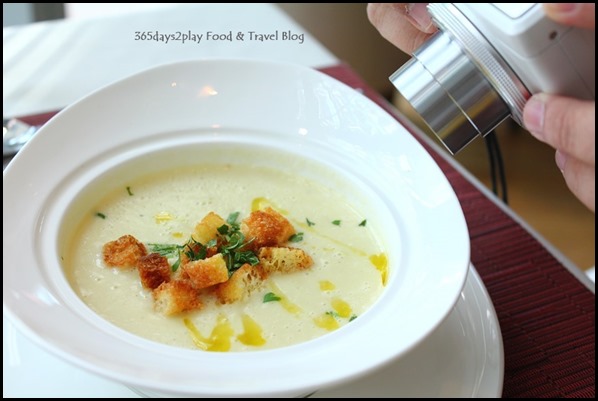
(501, 170)
(497, 167)
(489, 145)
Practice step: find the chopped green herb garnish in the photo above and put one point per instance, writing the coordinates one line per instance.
(309, 222)
(271, 297)
(297, 237)
(353, 317)
(236, 259)
(175, 265)
(336, 222)
(168, 250)
(232, 218)
(363, 223)
(332, 313)
(234, 241)
(231, 244)
(129, 191)
(101, 215)
(195, 250)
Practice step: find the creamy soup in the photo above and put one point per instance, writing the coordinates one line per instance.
(347, 276)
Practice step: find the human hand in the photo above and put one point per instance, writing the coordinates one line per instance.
(568, 124)
(405, 25)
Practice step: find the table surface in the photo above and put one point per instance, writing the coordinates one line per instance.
(48, 65)
(545, 306)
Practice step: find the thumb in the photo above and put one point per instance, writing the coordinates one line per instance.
(581, 15)
(564, 123)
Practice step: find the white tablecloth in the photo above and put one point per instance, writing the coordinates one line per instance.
(48, 65)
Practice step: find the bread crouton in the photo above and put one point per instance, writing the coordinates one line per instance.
(154, 270)
(242, 282)
(206, 272)
(124, 252)
(176, 296)
(266, 228)
(207, 228)
(283, 259)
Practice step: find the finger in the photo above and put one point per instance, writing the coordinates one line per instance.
(405, 25)
(563, 123)
(580, 178)
(576, 14)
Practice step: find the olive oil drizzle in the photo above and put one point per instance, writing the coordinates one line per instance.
(379, 261)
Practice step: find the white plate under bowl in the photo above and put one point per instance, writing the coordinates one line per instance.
(462, 358)
(209, 104)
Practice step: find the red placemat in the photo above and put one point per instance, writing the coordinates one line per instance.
(546, 315)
